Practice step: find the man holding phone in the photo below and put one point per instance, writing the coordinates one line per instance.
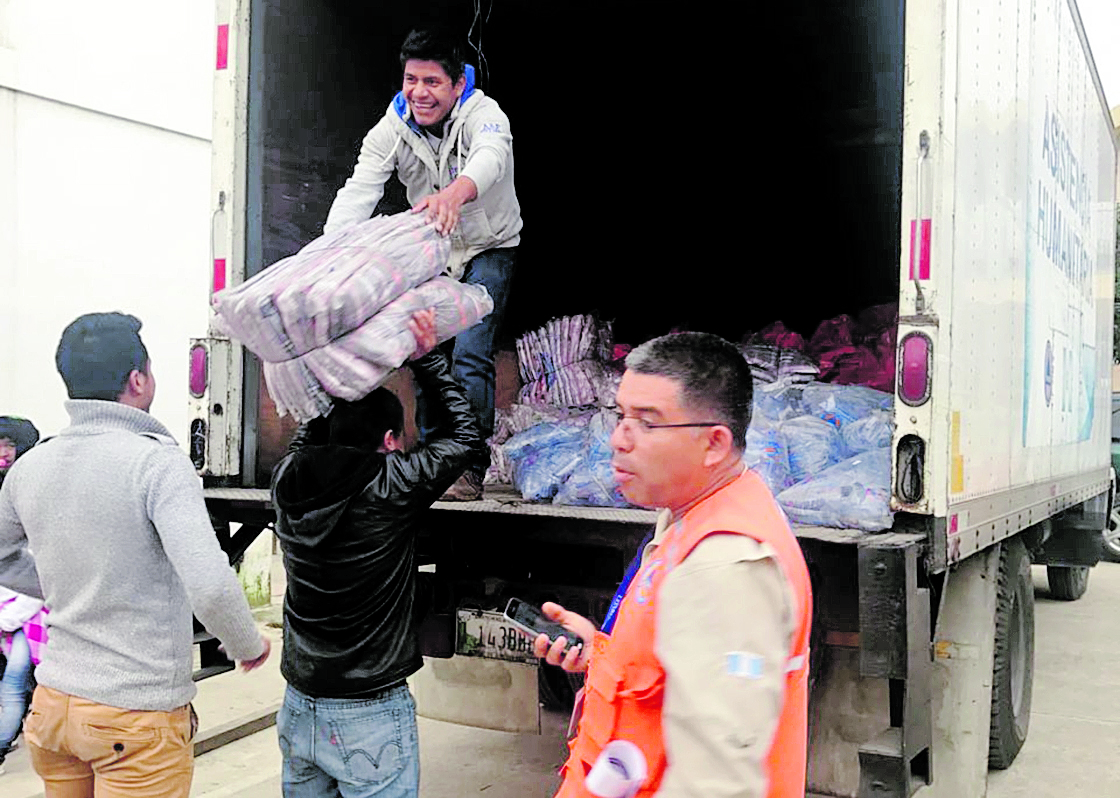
(703, 660)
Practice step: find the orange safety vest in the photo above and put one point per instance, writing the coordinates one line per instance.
(625, 685)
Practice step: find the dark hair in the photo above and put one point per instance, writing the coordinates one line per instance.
(96, 354)
(21, 432)
(434, 45)
(714, 378)
(363, 424)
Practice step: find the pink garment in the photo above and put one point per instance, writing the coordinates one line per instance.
(35, 630)
(862, 353)
(780, 335)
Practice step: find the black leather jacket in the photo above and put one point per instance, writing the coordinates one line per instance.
(347, 521)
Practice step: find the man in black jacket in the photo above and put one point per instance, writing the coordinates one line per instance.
(348, 500)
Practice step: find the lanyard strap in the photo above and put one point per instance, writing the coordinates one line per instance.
(620, 594)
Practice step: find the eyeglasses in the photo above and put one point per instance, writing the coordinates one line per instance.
(645, 426)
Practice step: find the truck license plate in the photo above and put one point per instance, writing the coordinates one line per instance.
(485, 634)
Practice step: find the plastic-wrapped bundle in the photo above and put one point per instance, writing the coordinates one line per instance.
(332, 286)
(853, 494)
(562, 342)
(592, 482)
(842, 404)
(541, 472)
(587, 382)
(765, 453)
(508, 421)
(543, 456)
(772, 364)
(776, 402)
(548, 434)
(600, 429)
(872, 432)
(564, 363)
(353, 365)
(813, 445)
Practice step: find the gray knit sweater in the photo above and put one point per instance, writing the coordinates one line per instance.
(123, 549)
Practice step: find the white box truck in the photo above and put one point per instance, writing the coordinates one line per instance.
(679, 168)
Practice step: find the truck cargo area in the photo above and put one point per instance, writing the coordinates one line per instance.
(626, 152)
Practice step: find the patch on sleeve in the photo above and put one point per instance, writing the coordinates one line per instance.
(744, 665)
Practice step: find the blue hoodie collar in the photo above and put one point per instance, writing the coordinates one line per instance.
(400, 104)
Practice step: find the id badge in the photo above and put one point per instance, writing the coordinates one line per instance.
(577, 713)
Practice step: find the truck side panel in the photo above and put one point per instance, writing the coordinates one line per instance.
(1032, 257)
(1008, 189)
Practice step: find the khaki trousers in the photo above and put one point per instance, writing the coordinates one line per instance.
(82, 749)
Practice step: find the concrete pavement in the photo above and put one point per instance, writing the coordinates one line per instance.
(1074, 738)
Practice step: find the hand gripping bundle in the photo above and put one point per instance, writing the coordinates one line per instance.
(332, 320)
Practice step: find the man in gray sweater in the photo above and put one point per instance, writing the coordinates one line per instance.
(123, 552)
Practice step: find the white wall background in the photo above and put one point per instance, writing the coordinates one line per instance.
(1102, 25)
(104, 186)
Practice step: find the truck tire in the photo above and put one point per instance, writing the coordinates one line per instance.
(1013, 663)
(1112, 537)
(1067, 583)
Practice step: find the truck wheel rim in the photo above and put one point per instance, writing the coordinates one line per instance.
(1112, 534)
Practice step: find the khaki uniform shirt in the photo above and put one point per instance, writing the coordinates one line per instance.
(724, 630)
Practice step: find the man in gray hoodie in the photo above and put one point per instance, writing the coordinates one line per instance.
(451, 147)
(123, 551)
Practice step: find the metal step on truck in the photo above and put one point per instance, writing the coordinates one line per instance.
(817, 157)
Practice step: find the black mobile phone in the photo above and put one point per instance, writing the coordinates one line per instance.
(530, 620)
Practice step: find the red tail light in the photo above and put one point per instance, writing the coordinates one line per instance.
(200, 371)
(915, 369)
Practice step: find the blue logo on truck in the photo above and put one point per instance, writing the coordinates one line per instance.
(1048, 373)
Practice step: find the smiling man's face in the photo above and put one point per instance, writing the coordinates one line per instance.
(429, 91)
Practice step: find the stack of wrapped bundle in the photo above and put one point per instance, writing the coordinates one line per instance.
(332, 320)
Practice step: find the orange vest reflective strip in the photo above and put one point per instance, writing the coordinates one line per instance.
(624, 692)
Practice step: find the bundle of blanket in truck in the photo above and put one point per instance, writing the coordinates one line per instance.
(553, 444)
(332, 320)
(563, 364)
(823, 449)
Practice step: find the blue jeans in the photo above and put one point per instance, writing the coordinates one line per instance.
(349, 747)
(14, 691)
(472, 360)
